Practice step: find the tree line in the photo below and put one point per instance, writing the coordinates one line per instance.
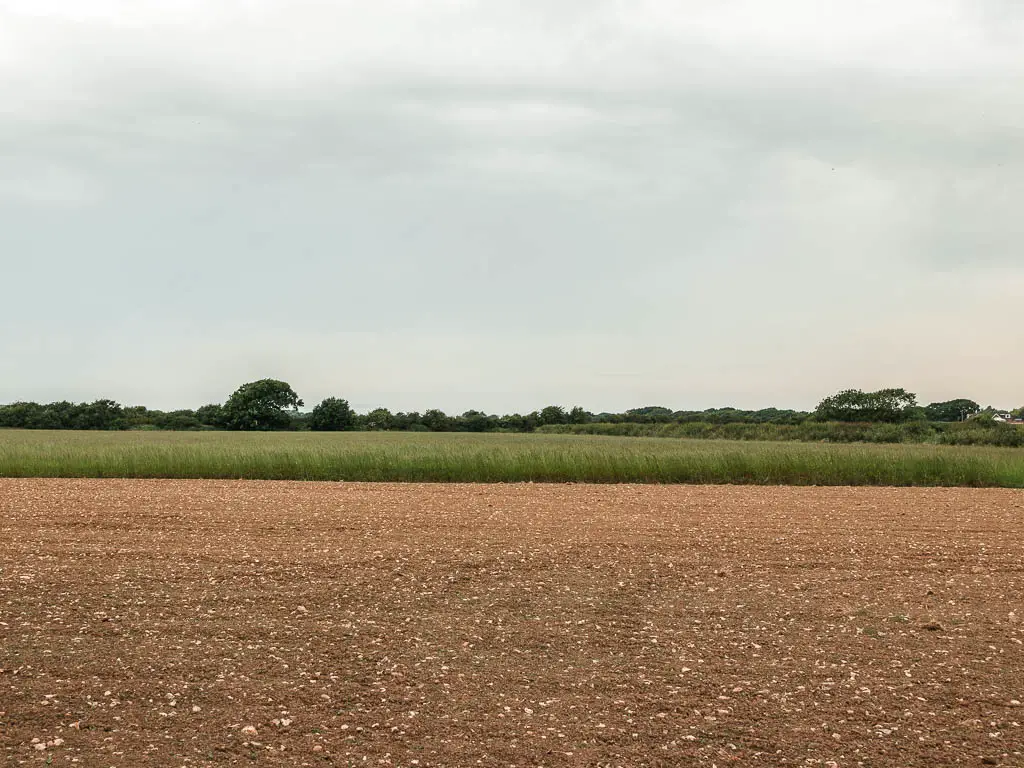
(272, 405)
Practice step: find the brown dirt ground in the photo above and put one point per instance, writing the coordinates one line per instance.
(151, 622)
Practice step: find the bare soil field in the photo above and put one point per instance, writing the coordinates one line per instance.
(194, 623)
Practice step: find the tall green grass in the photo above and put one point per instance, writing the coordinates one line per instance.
(496, 458)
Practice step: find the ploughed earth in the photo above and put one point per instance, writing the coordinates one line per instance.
(193, 623)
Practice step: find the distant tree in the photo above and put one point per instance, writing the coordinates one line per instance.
(52, 418)
(408, 421)
(649, 414)
(777, 416)
(896, 405)
(650, 410)
(100, 414)
(885, 405)
(579, 416)
(379, 419)
(848, 405)
(726, 415)
(299, 420)
(261, 405)
(180, 420)
(437, 421)
(554, 414)
(914, 413)
(21, 415)
(134, 416)
(212, 415)
(478, 421)
(531, 421)
(513, 422)
(952, 410)
(63, 415)
(332, 415)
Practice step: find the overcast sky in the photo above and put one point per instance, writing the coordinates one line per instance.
(505, 204)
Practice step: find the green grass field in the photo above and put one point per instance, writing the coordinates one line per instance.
(414, 457)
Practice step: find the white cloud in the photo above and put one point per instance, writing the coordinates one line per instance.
(48, 185)
(737, 201)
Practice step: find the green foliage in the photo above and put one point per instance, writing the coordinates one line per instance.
(379, 419)
(554, 414)
(437, 421)
(478, 421)
(411, 421)
(951, 410)
(885, 405)
(889, 415)
(983, 430)
(737, 416)
(182, 420)
(21, 416)
(579, 416)
(332, 415)
(261, 405)
(516, 422)
(100, 414)
(650, 414)
(212, 415)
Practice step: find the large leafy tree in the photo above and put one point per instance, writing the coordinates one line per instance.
(261, 405)
(888, 405)
(332, 415)
(951, 410)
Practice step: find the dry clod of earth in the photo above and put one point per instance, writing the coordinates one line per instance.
(207, 623)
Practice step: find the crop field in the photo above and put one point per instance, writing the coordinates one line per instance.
(461, 457)
(212, 622)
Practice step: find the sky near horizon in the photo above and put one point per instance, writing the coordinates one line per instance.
(501, 205)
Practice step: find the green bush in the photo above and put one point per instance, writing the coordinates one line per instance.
(982, 432)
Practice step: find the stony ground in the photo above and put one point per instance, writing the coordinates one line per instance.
(169, 623)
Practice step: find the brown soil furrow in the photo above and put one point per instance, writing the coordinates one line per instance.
(153, 622)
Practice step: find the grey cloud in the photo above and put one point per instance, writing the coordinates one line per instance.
(706, 180)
